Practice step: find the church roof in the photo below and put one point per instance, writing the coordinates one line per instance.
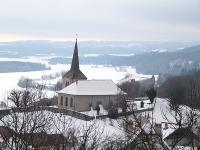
(91, 87)
(75, 72)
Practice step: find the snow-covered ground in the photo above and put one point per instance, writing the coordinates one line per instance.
(60, 123)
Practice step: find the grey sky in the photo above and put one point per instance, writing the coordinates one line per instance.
(171, 20)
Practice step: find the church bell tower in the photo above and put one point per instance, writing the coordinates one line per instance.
(74, 74)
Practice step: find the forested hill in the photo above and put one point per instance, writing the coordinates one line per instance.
(65, 48)
(167, 62)
(148, 57)
(17, 66)
(149, 62)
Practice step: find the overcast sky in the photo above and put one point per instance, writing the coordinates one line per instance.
(160, 20)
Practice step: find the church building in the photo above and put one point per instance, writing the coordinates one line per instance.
(80, 94)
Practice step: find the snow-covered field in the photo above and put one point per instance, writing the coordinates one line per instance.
(9, 80)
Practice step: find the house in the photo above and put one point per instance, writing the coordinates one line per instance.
(83, 94)
(148, 141)
(80, 94)
(185, 137)
(41, 140)
(5, 135)
(146, 136)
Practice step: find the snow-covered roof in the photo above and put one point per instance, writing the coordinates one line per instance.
(91, 87)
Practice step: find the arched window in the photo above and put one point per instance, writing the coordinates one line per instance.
(66, 101)
(61, 100)
(71, 102)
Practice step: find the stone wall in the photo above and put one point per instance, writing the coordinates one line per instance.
(68, 112)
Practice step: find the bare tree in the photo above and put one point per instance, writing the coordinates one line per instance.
(132, 88)
(90, 138)
(21, 123)
(15, 96)
(122, 101)
(151, 93)
(23, 118)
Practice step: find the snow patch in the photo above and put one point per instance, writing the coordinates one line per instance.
(159, 50)
(91, 55)
(124, 55)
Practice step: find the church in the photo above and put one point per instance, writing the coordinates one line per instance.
(80, 94)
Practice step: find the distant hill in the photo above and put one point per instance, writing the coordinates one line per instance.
(17, 66)
(150, 62)
(168, 62)
(65, 48)
(148, 57)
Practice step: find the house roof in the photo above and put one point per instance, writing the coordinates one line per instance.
(44, 139)
(35, 139)
(92, 87)
(75, 72)
(183, 132)
(140, 142)
(6, 132)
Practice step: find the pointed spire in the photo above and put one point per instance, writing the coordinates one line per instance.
(75, 59)
(75, 72)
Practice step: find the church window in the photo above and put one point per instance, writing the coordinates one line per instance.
(71, 102)
(67, 83)
(66, 101)
(61, 100)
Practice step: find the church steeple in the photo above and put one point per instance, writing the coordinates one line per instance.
(74, 73)
(75, 59)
